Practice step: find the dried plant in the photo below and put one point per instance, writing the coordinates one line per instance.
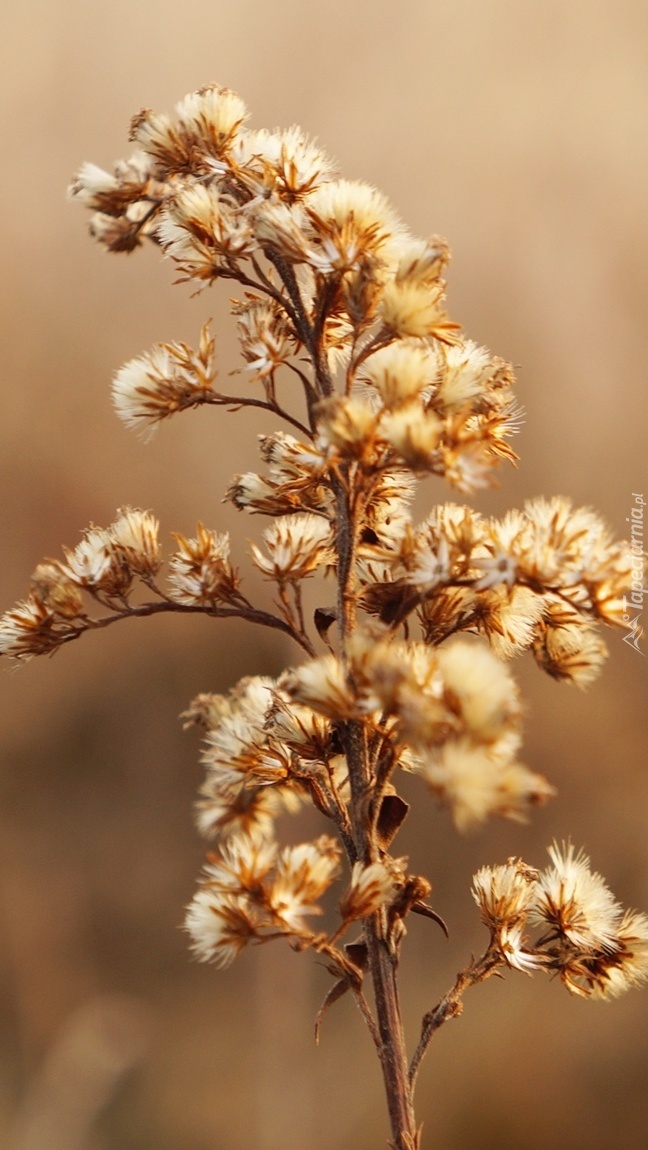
(405, 660)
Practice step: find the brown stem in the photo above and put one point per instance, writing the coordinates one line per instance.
(382, 958)
(346, 549)
(392, 1053)
(309, 333)
(296, 308)
(299, 606)
(265, 286)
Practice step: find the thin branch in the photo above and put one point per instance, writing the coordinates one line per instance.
(350, 371)
(309, 391)
(326, 800)
(236, 402)
(250, 614)
(297, 595)
(269, 289)
(297, 312)
(393, 1058)
(385, 765)
(365, 1010)
(310, 336)
(268, 286)
(285, 605)
(303, 328)
(351, 978)
(381, 339)
(324, 302)
(451, 1006)
(341, 816)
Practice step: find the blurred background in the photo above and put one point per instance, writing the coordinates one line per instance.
(519, 132)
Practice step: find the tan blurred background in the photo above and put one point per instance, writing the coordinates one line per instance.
(519, 130)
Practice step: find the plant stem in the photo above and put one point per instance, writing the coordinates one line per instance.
(393, 1056)
(382, 958)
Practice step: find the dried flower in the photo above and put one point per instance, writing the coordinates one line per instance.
(400, 371)
(204, 233)
(320, 684)
(134, 537)
(370, 888)
(351, 221)
(200, 572)
(54, 591)
(414, 433)
(466, 371)
(297, 545)
(476, 781)
(170, 377)
(505, 894)
(483, 691)
(29, 629)
(96, 565)
(265, 336)
(348, 425)
(577, 903)
(203, 131)
(295, 481)
(251, 891)
(303, 874)
(410, 308)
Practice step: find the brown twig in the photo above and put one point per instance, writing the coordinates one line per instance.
(251, 614)
(451, 1005)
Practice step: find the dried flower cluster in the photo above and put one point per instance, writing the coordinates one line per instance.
(343, 303)
(598, 949)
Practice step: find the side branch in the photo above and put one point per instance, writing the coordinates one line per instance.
(236, 403)
(451, 1006)
(250, 614)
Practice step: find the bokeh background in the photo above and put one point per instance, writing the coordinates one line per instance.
(519, 130)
